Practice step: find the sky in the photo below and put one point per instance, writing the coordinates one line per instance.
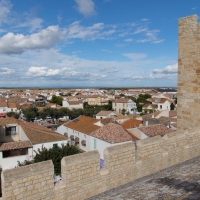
(91, 43)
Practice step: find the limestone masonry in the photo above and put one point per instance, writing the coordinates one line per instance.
(81, 174)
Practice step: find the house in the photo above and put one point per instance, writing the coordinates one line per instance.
(12, 107)
(167, 117)
(149, 108)
(98, 100)
(109, 135)
(124, 104)
(105, 114)
(150, 131)
(78, 131)
(72, 104)
(3, 107)
(20, 140)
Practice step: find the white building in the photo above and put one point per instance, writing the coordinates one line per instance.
(125, 104)
(20, 140)
(105, 114)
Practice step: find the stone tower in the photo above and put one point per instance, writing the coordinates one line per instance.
(188, 73)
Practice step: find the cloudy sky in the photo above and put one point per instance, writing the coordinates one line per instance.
(90, 43)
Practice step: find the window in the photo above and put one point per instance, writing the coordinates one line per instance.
(160, 106)
(95, 144)
(11, 130)
(55, 146)
(18, 152)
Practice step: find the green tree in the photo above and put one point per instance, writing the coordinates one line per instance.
(123, 111)
(57, 100)
(30, 113)
(172, 106)
(54, 154)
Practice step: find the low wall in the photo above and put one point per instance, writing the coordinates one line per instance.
(81, 173)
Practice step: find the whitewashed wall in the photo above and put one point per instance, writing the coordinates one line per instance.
(11, 162)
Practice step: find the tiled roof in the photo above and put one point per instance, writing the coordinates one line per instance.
(159, 129)
(134, 137)
(112, 133)
(151, 115)
(3, 104)
(168, 118)
(150, 105)
(39, 134)
(172, 113)
(12, 105)
(83, 124)
(103, 113)
(131, 123)
(108, 120)
(74, 102)
(122, 100)
(15, 145)
(8, 120)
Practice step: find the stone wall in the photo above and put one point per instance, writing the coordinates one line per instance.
(188, 73)
(81, 174)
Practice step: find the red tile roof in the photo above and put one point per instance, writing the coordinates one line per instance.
(122, 100)
(83, 124)
(168, 119)
(39, 134)
(112, 133)
(104, 113)
(131, 123)
(15, 145)
(8, 120)
(159, 129)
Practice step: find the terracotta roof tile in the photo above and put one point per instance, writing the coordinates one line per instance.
(3, 104)
(172, 113)
(131, 123)
(112, 133)
(39, 134)
(122, 100)
(12, 105)
(168, 118)
(159, 129)
(15, 145)
(8, 120)
(104, 113)
(83, 124)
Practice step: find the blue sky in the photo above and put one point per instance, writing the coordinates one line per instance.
(90, 43)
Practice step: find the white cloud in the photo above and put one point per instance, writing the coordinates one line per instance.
(13, 44)
(33, 24)
(96, 31)
(170, 69)
(106, 50)
(128, 40)
(4, 71)
(59, 18)
(62, 74)
(86, 7)
(150, 35)
(5, 7)
(135, 56)
(147, 77)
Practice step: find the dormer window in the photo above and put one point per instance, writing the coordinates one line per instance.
(10, 130)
